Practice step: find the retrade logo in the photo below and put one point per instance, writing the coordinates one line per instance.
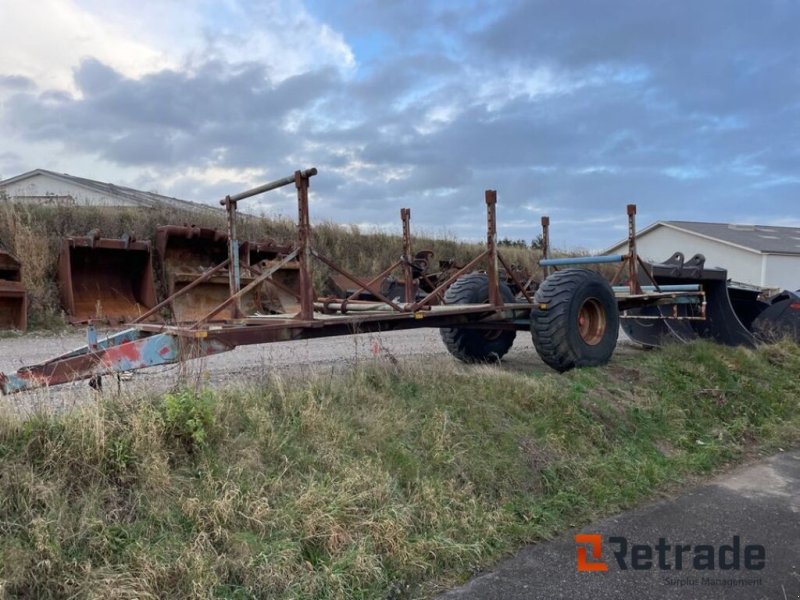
(595, 542)
(668, 556)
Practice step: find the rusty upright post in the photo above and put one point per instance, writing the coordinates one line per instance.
(633, 260)
(546, 244)
(405, 215)
(491, 248)
(304, 254)
(234, 273)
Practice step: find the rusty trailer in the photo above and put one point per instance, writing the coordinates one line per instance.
(477, 312)
(13, 297)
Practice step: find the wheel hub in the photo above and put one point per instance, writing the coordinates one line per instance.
(591, 321)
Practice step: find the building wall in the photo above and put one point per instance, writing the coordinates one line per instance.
(782, 271)
(41, 189)
(662, 242)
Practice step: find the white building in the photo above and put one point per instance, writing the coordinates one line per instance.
(46, 187)
(760, 255)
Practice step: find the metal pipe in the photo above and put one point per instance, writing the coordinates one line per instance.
(352, 307)
(660, 318)
(304, 240)
(633, 276)
(683, 287)
(491, 249)
(427, 280)
(581, 260)
(545, 245)
(234, 274)
(618, 273)
(647, 272)
(272, 185)
(405, 215)
(256, 271)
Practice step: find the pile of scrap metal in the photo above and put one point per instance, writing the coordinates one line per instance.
(734, 313)
(425, 281)
(13, 299)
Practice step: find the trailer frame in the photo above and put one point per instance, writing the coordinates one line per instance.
(144, 344)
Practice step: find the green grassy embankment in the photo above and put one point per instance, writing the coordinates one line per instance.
(383, 483)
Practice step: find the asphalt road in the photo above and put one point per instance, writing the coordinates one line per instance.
(759, 503)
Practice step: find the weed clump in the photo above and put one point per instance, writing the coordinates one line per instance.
(188, 417)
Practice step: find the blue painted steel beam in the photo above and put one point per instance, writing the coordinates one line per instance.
(127, 355)
(128, 335)
(581, 260)
(683, 287)
(687, 300)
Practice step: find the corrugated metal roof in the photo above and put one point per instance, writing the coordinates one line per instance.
(761, 238)
(150, 199)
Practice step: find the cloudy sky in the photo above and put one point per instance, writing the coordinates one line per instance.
(691, 109)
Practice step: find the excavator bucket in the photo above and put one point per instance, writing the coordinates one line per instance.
(188, 252)
(108, 279)
(280, 294)
(781, 318)
(729, 311)
(13, 299)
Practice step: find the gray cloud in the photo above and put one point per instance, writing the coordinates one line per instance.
(691, 110)
(16, 83)
(169, 118)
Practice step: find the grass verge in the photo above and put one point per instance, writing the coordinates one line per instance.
(383, 483)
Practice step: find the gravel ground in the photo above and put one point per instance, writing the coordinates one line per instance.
(244, 364)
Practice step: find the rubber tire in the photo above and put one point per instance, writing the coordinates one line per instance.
(476, 345)
(555, 328)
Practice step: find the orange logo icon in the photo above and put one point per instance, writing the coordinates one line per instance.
(595, 540)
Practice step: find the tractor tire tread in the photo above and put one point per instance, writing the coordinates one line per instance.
(551, 328)
(471, 345)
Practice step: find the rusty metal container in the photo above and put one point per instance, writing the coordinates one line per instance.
(13, 297)
(186, 252)
(108, 279)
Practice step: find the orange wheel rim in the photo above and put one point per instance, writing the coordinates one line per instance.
(592, 322)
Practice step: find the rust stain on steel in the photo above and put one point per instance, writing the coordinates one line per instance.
(109, 279)
(13, 297)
